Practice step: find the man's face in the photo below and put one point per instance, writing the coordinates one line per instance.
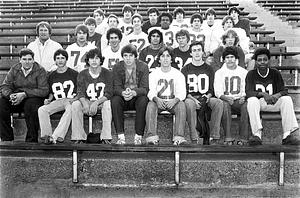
(155, 39)
(128, 58)
(228, 24)
(165, 59)
(114, 40)
(182, 40)
(229, 41)
(165, 22)
(179, 16)
(230, 61)
(99, 18)
(81, 36)
(234, 15)
(137, 23)
(94, 62)
(197, 52)
(91, 28)
(262, 61)
(27, 61)
(153, 18)
(210, 18)
(127, 14)
(196, 23)
(112, 22)
(60, 60)
(44, 33)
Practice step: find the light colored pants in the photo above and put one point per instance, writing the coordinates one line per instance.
(55, 106)
(284, 105)
(78, 132)
(216, 106)
(151, 121)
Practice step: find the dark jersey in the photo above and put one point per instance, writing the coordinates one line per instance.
(149, 55)
(272, 83)
(63, 85)
(199, 79)
(182, 58)
(96, 39)
(95, 88)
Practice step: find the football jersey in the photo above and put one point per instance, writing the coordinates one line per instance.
(96, 40)
(77, 54)
(271, 84)
(139, 40)
(63, 85)
(126, 28)
(230, 82)
(199, 79)
(182, 58)
(185, 24)
(94, 88)
(111, 58)
(149, 55)
(167, 85)
(196, 36)
(168, 35)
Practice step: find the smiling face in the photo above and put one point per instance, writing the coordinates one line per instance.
(165, 22)
(165, 59)
(60, 60)
(114, 40)
(27, 61)
(44, 33)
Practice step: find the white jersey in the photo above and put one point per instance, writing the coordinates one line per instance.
(213, 35)
(126, 28)
(102, 27)
(230, 82)
(196, 36)
(139, 40)
(185, 24)
(111, 58)
(77, 54)
(167, 85)
(168, 35)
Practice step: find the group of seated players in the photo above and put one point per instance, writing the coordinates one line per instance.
(162, 64)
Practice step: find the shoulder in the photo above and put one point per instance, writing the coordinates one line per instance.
(38, 67)
(72, 71)
(142, 65)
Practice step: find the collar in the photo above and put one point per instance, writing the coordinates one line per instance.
(26, 72)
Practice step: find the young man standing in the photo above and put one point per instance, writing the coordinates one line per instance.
(152, 14)
(94, 93)
(125, 23)
(149, 53)
(77, 50)
(229, 86)
(63, 86)
(43, 47)
(167, 92)
(182, 55)
(180, 21)
(23, 89)
(196, 32)
(266, 92)
(234, 12)
(199, 83)
(138, 37)
(131, 85)
(112, 53)
(101, 22)
(94, 37)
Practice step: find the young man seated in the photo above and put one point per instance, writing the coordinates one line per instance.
(266, 92)
(167, 92)
(131, 85)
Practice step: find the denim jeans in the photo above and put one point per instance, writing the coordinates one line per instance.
(151, 120)
(244, 120)
(30, 108)
(119, 105)
(216, 106)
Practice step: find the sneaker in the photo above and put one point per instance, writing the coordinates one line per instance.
(255, 140)
(180, 142)
(229, 143)
(60, 140)
(155, 142)
(137, 139)
(49, 140)
(121, 141)
(105, 141)
(290, 140)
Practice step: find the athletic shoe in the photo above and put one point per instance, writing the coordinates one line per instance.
(255, 140)
(49, 140)
(137, 139)
(121, 141)
(60, 140)
(155, 142)
(180, 142)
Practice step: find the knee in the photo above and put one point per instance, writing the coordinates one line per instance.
(180, 106)
(142, 101)
(151, 107)
(252, 101)
(286, 99)
(76, 106)
(42, 110)
(190, 104)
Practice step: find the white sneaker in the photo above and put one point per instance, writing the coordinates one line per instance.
(137, 139)
(180, 142)
(121, 139)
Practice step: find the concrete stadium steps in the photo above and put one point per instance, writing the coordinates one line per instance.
(21, 169)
